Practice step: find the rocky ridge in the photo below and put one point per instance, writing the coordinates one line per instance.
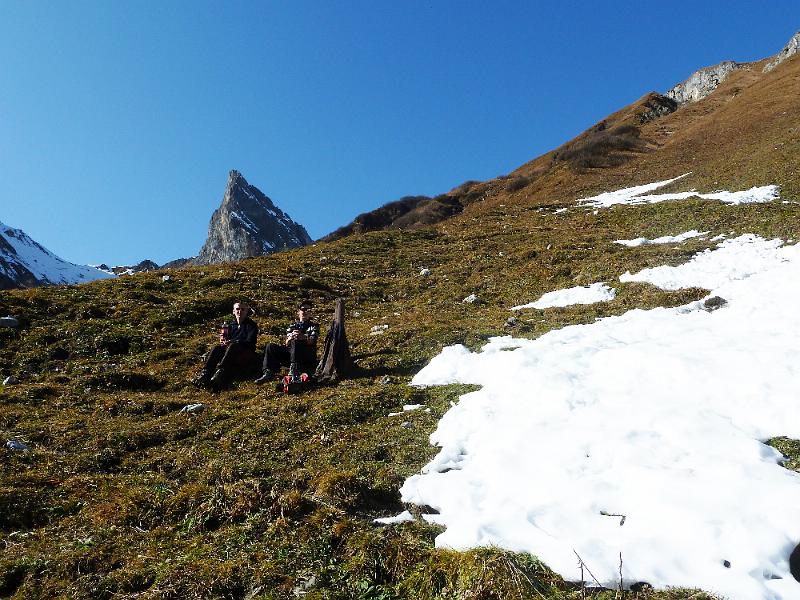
(144, 266)
(788, 51)
(247, 223)
(704, 81)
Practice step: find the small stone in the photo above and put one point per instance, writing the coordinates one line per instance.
(11, 322)
(407, 424)
(194, 408)
(10, 380)
(641, 586)
(165, 278)
(304, 586)
(15, 445)
(425, 272)
(378, 330)
(726, 564)
(713, 303)
(511, 321)
(471, 299)
(385, 380)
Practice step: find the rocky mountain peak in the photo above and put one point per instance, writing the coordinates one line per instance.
(248, 223)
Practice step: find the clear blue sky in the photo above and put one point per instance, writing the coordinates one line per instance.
(119, 121)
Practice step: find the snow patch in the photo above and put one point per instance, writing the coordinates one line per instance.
(658, 416)
(666, 239)
(596, 292)
(732, 260)
(403, 517)
(639, 195)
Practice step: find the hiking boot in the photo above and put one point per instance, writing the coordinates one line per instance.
(266, 376)
(201, 379)
(217, 379)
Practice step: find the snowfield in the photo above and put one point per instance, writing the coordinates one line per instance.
(639, 436)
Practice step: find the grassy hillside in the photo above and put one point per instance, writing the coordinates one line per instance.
(122, 495)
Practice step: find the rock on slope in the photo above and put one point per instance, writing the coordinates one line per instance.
(247, 223)
(26, 263)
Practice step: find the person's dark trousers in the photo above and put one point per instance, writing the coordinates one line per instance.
(233, 358)
(276, 356)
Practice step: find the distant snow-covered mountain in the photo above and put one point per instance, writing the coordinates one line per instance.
(26, 263)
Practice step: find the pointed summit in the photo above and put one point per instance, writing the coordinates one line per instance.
(247, 223)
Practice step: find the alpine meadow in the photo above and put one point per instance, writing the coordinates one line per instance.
(110, 488)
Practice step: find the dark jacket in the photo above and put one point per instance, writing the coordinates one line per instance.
(336, 361)
(244, 333)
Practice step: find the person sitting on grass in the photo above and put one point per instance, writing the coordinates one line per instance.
(236, 352)
(299, 352)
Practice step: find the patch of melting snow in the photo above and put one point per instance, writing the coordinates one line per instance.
(403, 517)
(596, 292)
(666, 239)
(639, 195)
(378, 329)
(658, 415)
(733, 259)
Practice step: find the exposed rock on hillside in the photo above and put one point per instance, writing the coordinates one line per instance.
(26, 263)
(702, 82)
(656, 106)
(788, 51)
(247, 223)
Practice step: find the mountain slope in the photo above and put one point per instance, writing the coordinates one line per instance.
(728, 117)
(26, 263)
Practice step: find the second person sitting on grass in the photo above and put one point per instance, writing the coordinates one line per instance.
(299, 352)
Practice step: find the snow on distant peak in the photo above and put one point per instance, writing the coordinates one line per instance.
(666, 239)
(45, 266)
(596, 292)
(657, 416)
(639, 195)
